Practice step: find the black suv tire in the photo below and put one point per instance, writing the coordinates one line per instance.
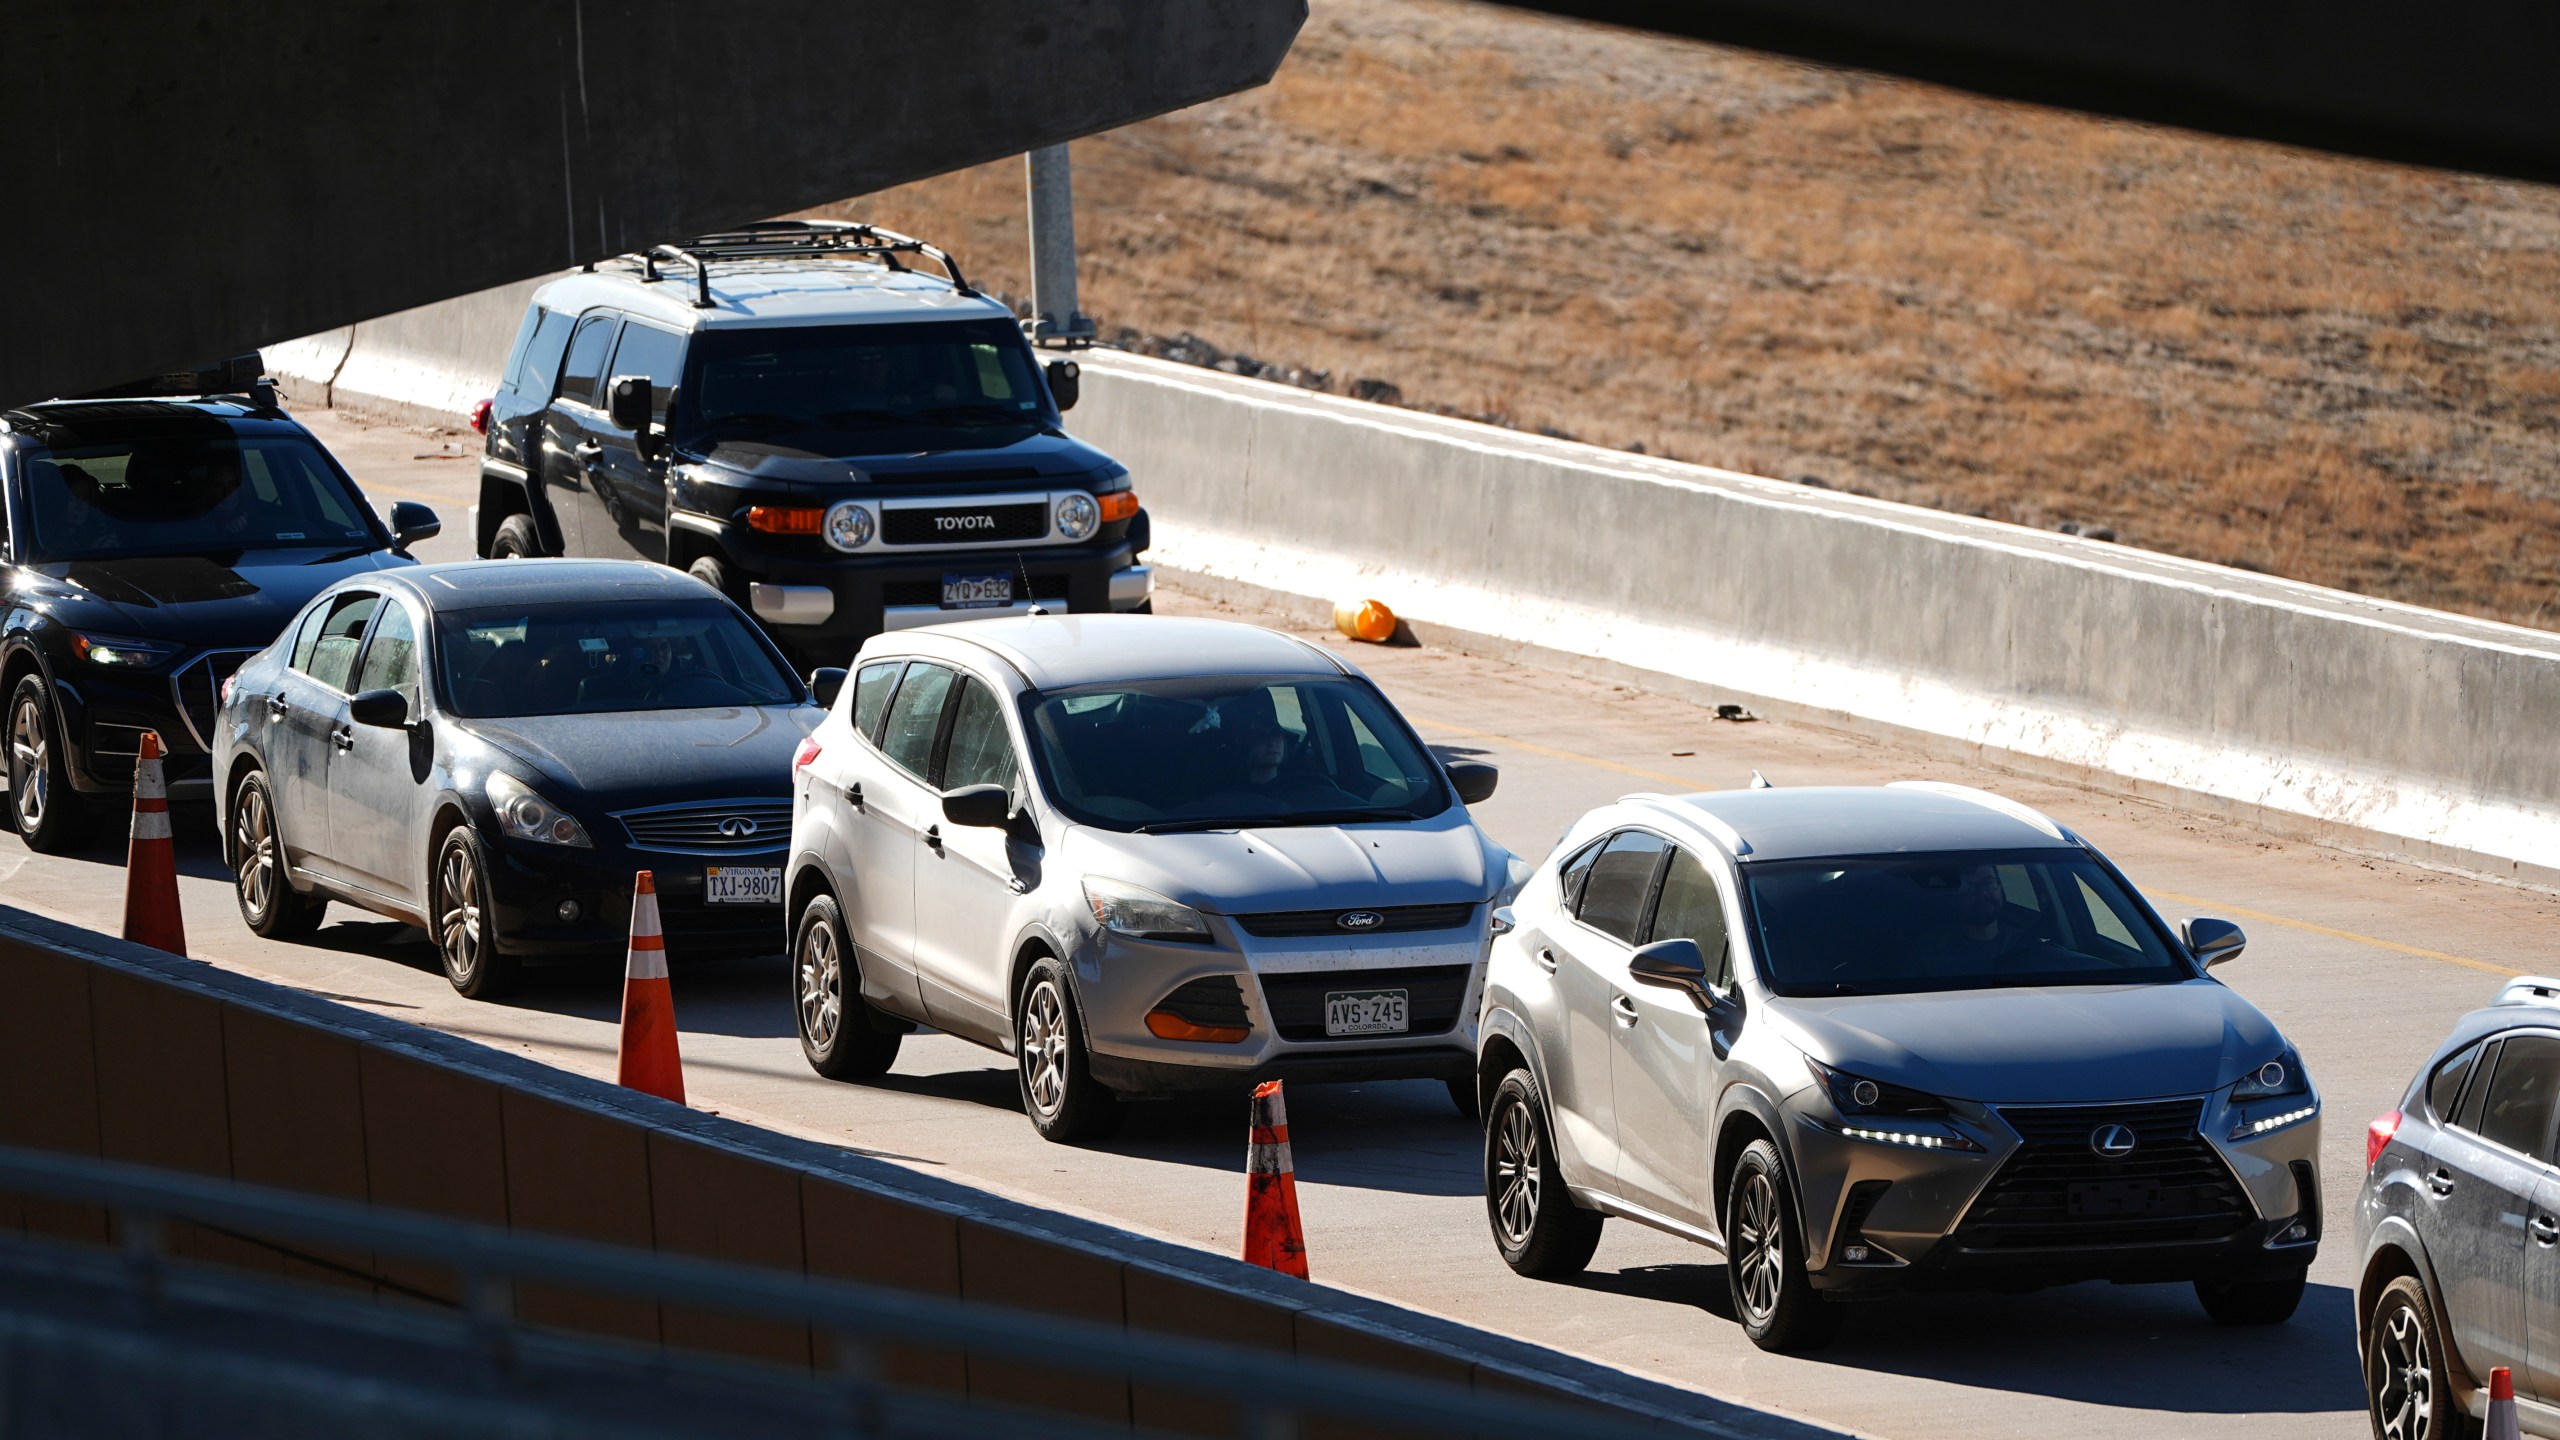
(40, 773)
(516, 539)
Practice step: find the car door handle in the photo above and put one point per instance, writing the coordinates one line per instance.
(1546, 959)
(344, 737)
(2441, 1182)
(933, 838)
(1624, 1009)
(276, 706)
(853, 795)
(2546, 1229)
(588, 451)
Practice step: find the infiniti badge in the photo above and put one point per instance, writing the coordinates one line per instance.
(737, 827)
(1359, 919)
(2112, 1141)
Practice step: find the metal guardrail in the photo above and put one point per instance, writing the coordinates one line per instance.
(1269, 1393)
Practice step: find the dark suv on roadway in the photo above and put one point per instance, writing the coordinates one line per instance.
(149, 543)
(838, 441)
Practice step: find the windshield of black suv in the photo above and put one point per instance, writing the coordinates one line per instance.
(864, 389)
(1231, 753)
(187, 494)
(590, 659)
(1952, 920)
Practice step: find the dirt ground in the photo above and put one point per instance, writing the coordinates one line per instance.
(2334, 370)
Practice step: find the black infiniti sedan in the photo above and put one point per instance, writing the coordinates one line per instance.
(147, 546)
(490, 750)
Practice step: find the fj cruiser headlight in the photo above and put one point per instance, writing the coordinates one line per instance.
(525, 815)
(1137, 910)
(1078, 516)
(849, 525)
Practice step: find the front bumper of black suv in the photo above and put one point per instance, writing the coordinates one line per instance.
(820, 611)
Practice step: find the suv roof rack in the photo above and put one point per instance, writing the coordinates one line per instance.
(792, 239)
(2529, 990)
(234, 377)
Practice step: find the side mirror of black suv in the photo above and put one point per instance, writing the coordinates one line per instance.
(627, 405)
(1066, 381)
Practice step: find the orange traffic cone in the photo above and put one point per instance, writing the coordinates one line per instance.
(151, 860)
(2502, 1406)
(1272, 1238)
(648, 1058)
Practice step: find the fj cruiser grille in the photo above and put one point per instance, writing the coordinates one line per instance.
(964, 524)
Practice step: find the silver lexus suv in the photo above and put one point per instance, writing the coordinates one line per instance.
(1142, 855)
(1859, 1039)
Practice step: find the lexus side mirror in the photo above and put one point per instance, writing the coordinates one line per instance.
(627, 403)
(1504, 921)
(412, 522)
(2214, 941)
(1676, 965)
(825, 684)
(1066, 381)
(987, 806)
(387, 709)
(1474, 780)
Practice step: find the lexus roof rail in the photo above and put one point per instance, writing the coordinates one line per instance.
(1987, 800)
(794, 240)
(1696, 814)
(2529, 990)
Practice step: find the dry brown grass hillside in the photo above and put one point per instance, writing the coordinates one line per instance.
(2344, 372)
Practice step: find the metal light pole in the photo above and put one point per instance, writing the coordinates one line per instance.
(1057, 318)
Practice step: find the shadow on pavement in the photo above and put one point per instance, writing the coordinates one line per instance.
(1400, 1135)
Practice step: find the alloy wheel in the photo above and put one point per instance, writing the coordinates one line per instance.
(253, 839)
(2403, 1378)
(1759, 1246)
(1044, 1047)
(1515, 1174)
(821, 986)
(458, 910)
(30, 776)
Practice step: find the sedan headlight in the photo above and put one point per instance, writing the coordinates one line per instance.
(1874, 1111)
(2272, 1097)
(1137, 910)
(849, 525)
(1078, 516)
(525, 815)
(120, 651)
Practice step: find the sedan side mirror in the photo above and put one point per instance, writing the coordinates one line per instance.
(1065, 383)
(825, 684)
(2214, 941)
(387, 709)
(1677, 965)
(1474, 780)
(987, 806)
(412, 522)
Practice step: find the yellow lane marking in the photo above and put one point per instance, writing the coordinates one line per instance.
(1691, 783)
(2218, 908)
(370, 486)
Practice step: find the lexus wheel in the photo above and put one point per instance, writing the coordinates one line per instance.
(268, 902)
(1537, 1227)
(2408, 1395)
(837, 1029)
(1764, 1259)
(47, 814)
(1065, 1103)
(465, 933)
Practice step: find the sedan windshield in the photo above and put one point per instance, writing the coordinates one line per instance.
(589, 659)
(1232, 753)
(188, 494)
(865, 389)
(1952, 920)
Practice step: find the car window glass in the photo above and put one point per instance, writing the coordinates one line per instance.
(1691, 908)
(333, 653)
(187, 493)
(2468, 1116)
(658, 354)
(2517, 1113)
(391, 656)
(314, 620)
(538, 357)
(1576, 873)
(1621, 880)
(2444, 1088)
(586, 360)
(914, 716)
(980, 751)
(871, 687)
(594, 657)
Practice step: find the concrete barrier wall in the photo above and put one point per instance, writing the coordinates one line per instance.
(108, 1049)
(2311, 711)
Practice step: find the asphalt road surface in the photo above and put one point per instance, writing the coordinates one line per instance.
(2365, 963)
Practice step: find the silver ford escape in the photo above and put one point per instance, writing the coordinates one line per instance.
(1142, 855)
(1875, 1038)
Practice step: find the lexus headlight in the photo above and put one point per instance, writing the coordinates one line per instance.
(1882, 1114)
(2277, 1078)
(525, 815)
(2272, 1097)
(122, 652)
(1137, 910)
(849, 525)
(1078, 516)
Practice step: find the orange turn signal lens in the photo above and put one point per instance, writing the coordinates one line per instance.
(1118, 505)
(1165, 1025)
(785, 520)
